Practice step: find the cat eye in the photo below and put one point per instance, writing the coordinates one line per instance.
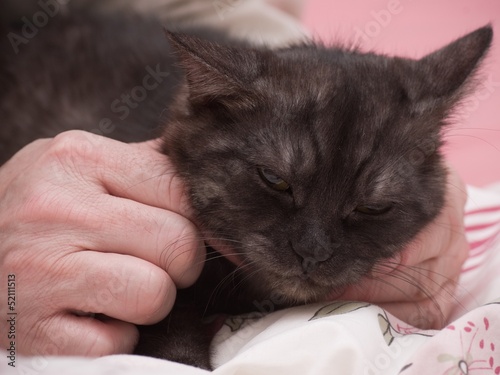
(373, 209)
(276, 182)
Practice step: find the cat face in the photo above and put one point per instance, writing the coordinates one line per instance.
(309, 163)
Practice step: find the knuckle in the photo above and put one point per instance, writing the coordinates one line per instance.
(181, 256)
(183, 202)
(100, 343)
(154, 296)
(181, 196)
(108, 344)
(72, 146)
(171, 186)
(109, 286)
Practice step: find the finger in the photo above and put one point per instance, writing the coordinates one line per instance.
(415, 283)
(409, 283)
(437, 235)
(431, 313)
(118, 286)
(161, 237)
(456, 187)
(147, 176)
(73, 335)
(119, 225)
(139, 172)
(443, 250)
(412, 283)
(136, 172)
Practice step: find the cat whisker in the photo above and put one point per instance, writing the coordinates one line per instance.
(411, 279)
(152, 178)
(418, 307)
(408, 278)
(476, 137)
(451, 294)
(219, 287)
(246, 275)
(204, 261)
(474, 128)
(169, 252)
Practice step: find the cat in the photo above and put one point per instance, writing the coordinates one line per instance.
(309, 163)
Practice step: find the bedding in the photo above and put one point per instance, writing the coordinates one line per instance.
(344, 337)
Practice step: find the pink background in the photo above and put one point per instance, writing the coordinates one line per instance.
(413, 28)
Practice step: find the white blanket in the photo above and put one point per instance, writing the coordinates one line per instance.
(344, 337)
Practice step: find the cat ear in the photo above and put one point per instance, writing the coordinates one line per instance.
(215, 73)
(447, 71)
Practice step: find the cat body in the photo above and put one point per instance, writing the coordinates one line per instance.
(309, 164)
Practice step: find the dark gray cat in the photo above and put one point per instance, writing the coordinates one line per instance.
(310, 163)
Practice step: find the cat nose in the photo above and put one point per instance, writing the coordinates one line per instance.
(312, 253)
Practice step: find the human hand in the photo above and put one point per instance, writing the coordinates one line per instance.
(418, 285)
(91, 225)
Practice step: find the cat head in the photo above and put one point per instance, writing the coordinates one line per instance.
(313, 163)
